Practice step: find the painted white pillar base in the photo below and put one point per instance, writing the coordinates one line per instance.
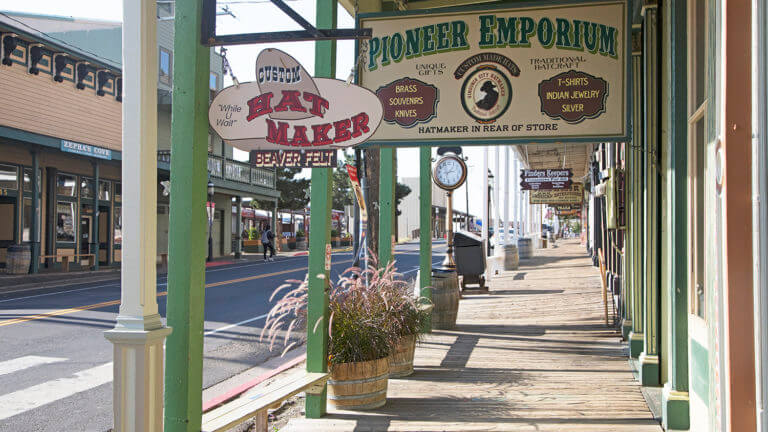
(138, 370)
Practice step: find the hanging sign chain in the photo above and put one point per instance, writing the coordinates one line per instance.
(362, 51)
(227, 67)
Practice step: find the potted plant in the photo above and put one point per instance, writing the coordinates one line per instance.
(409, 315)
(334, 238)
(252, 244)
(291, 243)
(362, 332)
(301, 240)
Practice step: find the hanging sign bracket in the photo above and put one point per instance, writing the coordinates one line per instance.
(310, 32)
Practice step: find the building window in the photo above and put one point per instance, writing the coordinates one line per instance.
(65, 221)
(86, 187)
(213, 82)
(65, 185)
(118, 192)
(27, 180)
(118, 240)
(7, 228)
(166, 62)
(9, 177)
(103, 190)
(698, 144)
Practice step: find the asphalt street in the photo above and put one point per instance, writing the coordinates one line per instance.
(55, 364)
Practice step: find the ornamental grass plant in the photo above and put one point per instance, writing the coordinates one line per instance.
(371, 309)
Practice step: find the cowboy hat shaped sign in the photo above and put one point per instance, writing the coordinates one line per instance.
(286, 109)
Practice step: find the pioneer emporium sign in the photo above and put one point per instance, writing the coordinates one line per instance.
(287, 109)
(553, 72)
(293, 158)
(572, 195)
(545, 179)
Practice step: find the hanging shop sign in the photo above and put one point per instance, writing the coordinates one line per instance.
(554, 72)
(545, 179)
(621, 210)
(355, 180)
(285, 108)
(572, 195)
(294, 158)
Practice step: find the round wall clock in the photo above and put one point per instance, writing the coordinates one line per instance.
(450, 172)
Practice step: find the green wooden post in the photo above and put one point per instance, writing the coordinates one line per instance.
(187, 229)
(386, 205)
(636, 173)
(425, 226)
(675, 399)
(650, 367)
(320, 215)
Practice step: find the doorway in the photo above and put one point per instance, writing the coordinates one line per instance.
(103, 237)
(8, 226)
(85, 233)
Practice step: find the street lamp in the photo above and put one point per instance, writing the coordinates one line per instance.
(211, 209)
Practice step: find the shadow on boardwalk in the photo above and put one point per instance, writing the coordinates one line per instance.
(534, 355)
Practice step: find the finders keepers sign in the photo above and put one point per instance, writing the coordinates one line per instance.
(546, 73)
(286, 109)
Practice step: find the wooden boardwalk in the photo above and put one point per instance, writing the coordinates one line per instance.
(533, 355)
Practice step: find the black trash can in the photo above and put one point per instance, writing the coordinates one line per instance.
(469, 257)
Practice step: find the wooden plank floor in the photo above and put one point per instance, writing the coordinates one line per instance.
(533, 355)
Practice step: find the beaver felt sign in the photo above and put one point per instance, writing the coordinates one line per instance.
(286, 109)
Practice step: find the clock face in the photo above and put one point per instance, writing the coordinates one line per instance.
(449, 173)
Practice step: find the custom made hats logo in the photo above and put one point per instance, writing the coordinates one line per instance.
(286, 108)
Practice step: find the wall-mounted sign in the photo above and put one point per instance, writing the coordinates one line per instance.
(85, 150)
(550, 72)
(572, 195)
(293, 158)
(545, 179)
(285, 108)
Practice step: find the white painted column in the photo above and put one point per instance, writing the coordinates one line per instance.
(515, 200)
(485, 211)
(507, 169)
(498, 250)
(139, 333)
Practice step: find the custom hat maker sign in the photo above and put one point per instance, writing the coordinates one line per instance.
(548, 73)
(287, 109)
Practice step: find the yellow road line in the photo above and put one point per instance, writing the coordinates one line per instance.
(160, 294)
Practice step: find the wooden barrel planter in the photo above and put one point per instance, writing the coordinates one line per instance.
(401, 361)
(18, 258)
(524, 248)
(359, 385)
(511, 257)
(445, 297)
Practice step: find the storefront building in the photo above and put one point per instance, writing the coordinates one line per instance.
(62, 120)
(680, 213)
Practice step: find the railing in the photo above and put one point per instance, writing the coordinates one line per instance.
(227, 169)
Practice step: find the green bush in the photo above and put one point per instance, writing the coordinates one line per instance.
(334, 233)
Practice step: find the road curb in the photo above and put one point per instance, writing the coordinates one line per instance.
(239, 390)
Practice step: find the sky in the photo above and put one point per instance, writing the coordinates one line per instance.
(258, 15)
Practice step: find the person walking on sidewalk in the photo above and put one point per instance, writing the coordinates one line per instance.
(266, 241)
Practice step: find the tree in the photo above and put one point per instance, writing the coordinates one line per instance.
(292, 190)
(342, 189)
(292, 193)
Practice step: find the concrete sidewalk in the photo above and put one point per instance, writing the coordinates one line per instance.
(533, 355)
